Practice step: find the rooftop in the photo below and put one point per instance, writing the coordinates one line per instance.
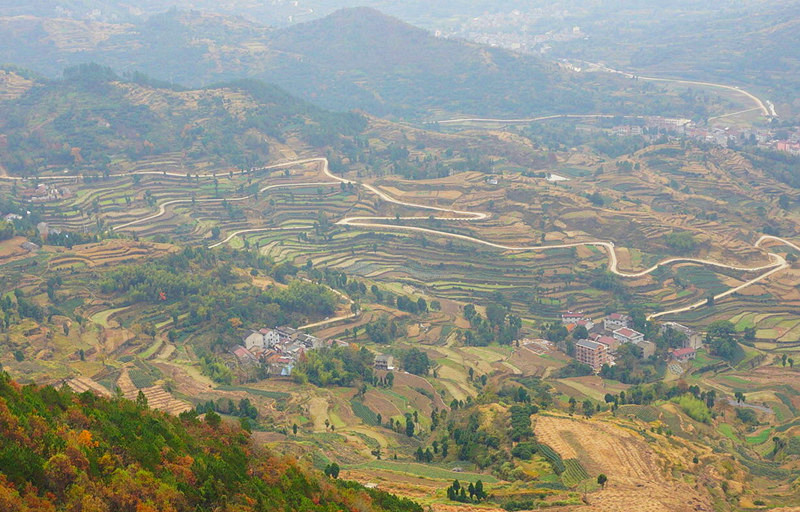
(628, 333)
(606, 340)
(591, 345)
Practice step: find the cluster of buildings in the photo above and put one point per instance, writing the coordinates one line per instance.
(278, 348)
(11, 217)
(788, 146)
(44, 193)
(605, 337)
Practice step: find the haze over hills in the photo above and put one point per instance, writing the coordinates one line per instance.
(750, 43)
(353, 59)
(501, 281)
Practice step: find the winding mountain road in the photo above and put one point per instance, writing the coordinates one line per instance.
(377, 223)
(756, 101)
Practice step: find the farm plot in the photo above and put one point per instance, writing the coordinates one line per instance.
(635, 479)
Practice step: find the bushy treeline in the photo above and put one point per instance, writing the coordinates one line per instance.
(335, 366)
(204, 283)
(498, 326)
(63, 451)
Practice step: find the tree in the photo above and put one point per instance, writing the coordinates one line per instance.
(791, 362)
(496, 314)
(416, 361)
(602, 479)
(588, 408)
(213, 419)
(294, 428)
(479, 492)
(141, 400)
(580, 333)
(332, 470)
(739, 397)
(409, 426)
(721, 340)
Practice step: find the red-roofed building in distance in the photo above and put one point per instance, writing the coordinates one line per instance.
(626, 335)
(571, 318)
(684, 354)
(610, 342)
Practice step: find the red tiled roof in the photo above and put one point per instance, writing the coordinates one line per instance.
(682, 351)
(628, 333)
(606, 340)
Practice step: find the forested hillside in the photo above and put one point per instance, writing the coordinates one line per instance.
(94, 120)
(64, 451)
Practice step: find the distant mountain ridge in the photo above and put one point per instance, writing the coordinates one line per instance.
(353, 59)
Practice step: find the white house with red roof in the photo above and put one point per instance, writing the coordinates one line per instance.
(627, 335)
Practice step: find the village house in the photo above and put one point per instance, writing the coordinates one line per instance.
(616, 321)
(693, 338)
(591, 353)
(572, 319)
(648, 348)
(280, 348)
(684, 354)
(244, 356)
(262, 339)
(626, 335)
(384, 362)
(610, 342)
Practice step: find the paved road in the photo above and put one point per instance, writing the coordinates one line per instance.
(766, 107)
(756, 101)
(777, 262)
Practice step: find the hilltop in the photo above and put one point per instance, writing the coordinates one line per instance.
(97, 122)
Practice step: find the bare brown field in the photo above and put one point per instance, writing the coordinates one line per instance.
(11, 249)
(635, 478)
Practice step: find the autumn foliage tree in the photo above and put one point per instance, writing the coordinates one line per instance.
(63, 451)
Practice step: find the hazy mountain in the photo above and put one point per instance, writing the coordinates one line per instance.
(352, 59)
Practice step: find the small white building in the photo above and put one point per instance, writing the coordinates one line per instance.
(616, 321)
(626, 335)
(262, 339)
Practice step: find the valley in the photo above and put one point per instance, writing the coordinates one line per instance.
(418, 273)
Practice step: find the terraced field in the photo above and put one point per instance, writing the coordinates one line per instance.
(635, 480)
